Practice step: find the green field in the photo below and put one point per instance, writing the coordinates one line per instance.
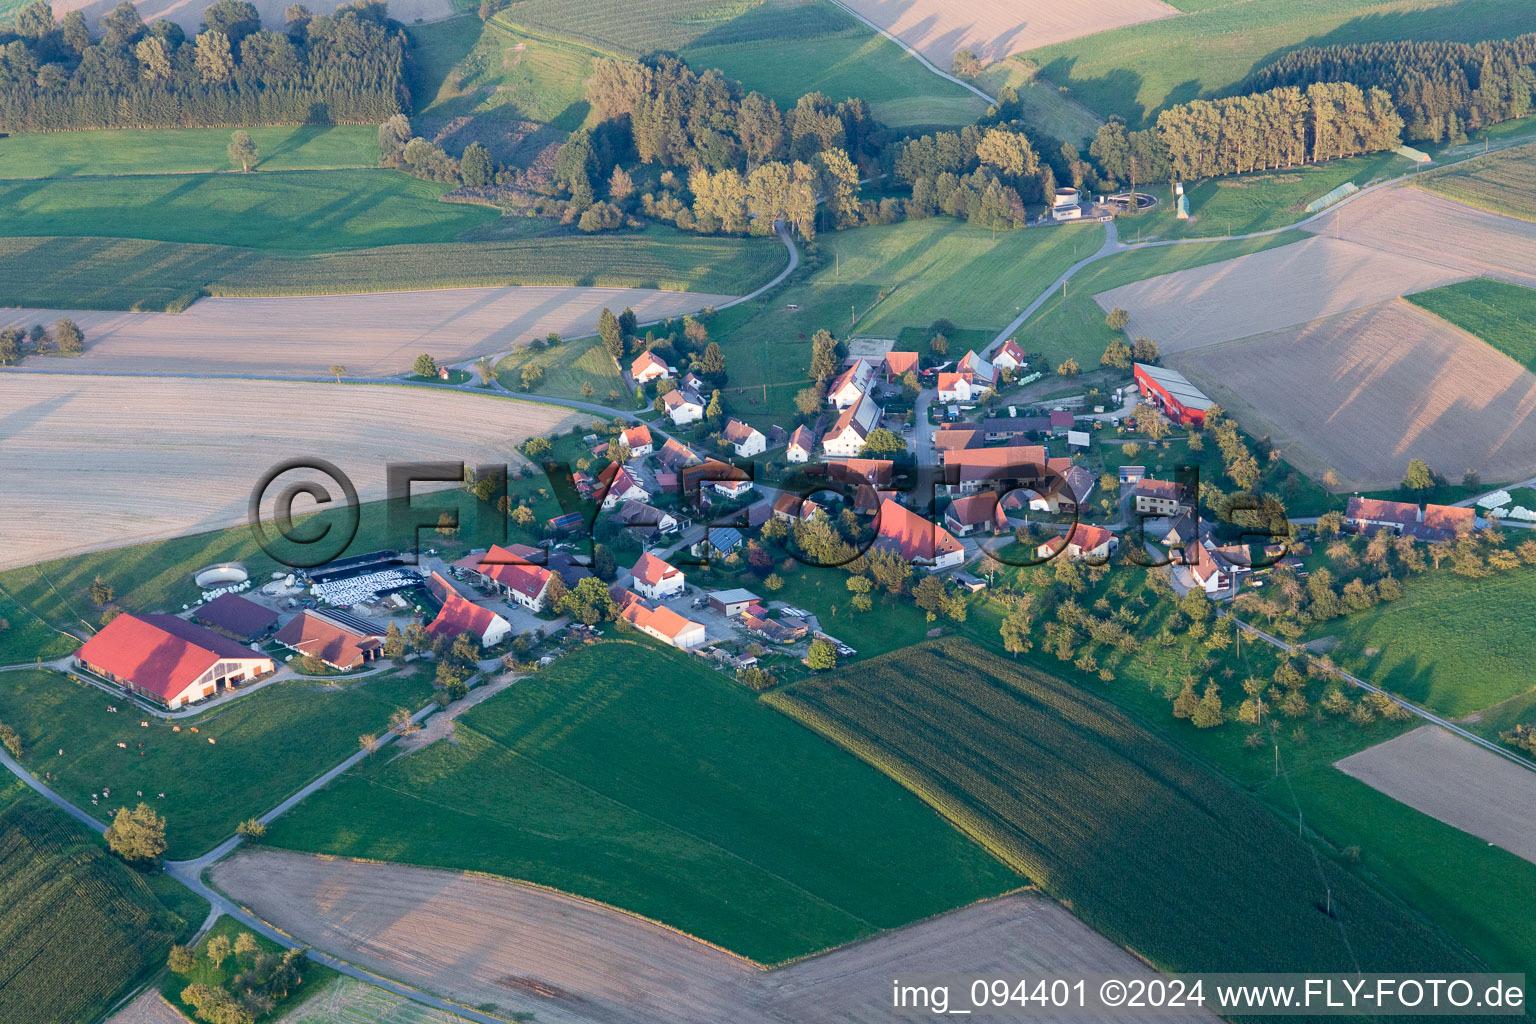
(894, 277)
(122, 273)
(270, 743)
(1452, 644)
(1502, 182)
(184, 151)
(640, 778)
(1138, 70)
(566, 368)
(77, 926)
(287, 211)
(1074, 327)
(1503, 315)
(1147, 847)
(315, 976)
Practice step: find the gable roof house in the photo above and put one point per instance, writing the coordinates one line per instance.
(656, 578)
(1159, 497)
(1066, 492)
(802, 445)
(167, 659)
(792, 508)
(975, 512)
(955, 387)
(899, 364)
(665, 625)
(979, 373)
(850, 385)
(461, 615)
(1009, 356)
(513, 574)
(647, 522)
(1367, 515)
(1211, 570)
(915, 539)
(674, 455)
(341, 641)
(648, 366)
(947, 439)
(621, 486)
(747, 440)
(638, 440)
(683, 407)
(853, 426)
(1086, 541)
(1015, 465)
(1443, 523)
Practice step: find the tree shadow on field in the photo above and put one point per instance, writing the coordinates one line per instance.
(296, 140)
(1111, 93)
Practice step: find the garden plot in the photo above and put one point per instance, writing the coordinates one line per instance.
(374, 334)
(98, 462)
(1365, 391)
(1465, 786)
(996, 28)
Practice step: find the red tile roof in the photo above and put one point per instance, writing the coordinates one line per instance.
(1377, 510)
(310, 633)
(1084, 538)
(651, 570)
(674, 454)
(912, 536)
(803, 438)
(947, 381)
(898, 363)
(646, 360)
(459, 614)
(237, 615)
(160, 654)
(637, 436)
(949, 439)
(511, 568)
(736, 431)
(663, 620)
(874, 471)
(1169, 490)
(977, 510)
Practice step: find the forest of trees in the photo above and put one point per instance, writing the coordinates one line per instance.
(982, 174)
(1442, 90)
(343, 68)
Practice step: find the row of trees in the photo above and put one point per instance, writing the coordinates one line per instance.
(65, 337)
(1441, 89)
(343, 68)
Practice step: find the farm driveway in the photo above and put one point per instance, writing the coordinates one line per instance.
(1462, 785)
(480, 940)
(373, 334)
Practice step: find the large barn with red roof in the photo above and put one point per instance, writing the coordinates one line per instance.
(169, 660)
(461, 615)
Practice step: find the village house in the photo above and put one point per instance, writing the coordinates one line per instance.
(1016, 465)
(1064, 490)
(904, 532)
(947, 439)
(646, 522)
(621, 486)
(955, 387)
(665, 625)
(1366, 515)
(513, 573)
(976, 512)
(638, 440)
(747, 440)
(1009, 356)
(1158, 497)
(853, 426)
(657, 579)
(167, 659)
(851, 385)
(648, 366)
(980, 374)
(1086, 542)
(899, 364)
(1211, 568)
(341, 640)
(461, 615)
(1442, 523)
(792, 508)
(718, 542)
(1013, 429)
(683, 407)
(674, 455)
(1185, 529)
(692, 382)
(802, 445)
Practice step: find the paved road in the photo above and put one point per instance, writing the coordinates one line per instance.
(924, 61)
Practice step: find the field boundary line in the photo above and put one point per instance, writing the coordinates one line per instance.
(924, 61)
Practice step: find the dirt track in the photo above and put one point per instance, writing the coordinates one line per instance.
(996, 28)
(371, 335)
(1363, 392)
(96, 462)
(482, 940)
(189, 13)
(1462, 785)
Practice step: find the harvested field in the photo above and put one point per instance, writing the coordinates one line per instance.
(1501, 182)
(530, 950)
(189, 15)
(1465, 786)
(349, 1001)
(378, 334)
(1267, 291)
(1365, 391)
(144, 458)
(996, 28)
(149, 1008)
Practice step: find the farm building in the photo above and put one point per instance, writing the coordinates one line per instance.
(976, 512)
(237, 617)
(875, 472)
(512, 572)
(1086, 541)
(1366, 515)
(732, 602)
(168, 659)
(621, 486)
(851, 385)
(1132, 474)
(1442, 523)
(955, 438)
(1061, 421)
(1158, 497)
(1009, 356)
(1171, 391)
(638, 440)
(340, 640)
(1066, 489)
(979, 373)
(683, 407)
(847, 435)
(916, 539)
(648, 366)
(1015, 465)
(656, 578)
(460, 615)
(1013, 429)
(899, 364)
(802, 445)
(665, 625)
(714, 471)
(747, 440)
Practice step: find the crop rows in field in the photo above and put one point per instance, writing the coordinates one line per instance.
(1147, 847)
(1501, 182)
(75, 924)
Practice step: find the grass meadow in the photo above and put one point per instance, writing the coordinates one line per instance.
(1428, 641)
(638, 777)
(286, 211)
(1137, 71)
(1502, 182)
(567, 368)
(137, 274)
(184, 151)
(1503, 315)
(269, 743)
(77, 926)
(1145, 845)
